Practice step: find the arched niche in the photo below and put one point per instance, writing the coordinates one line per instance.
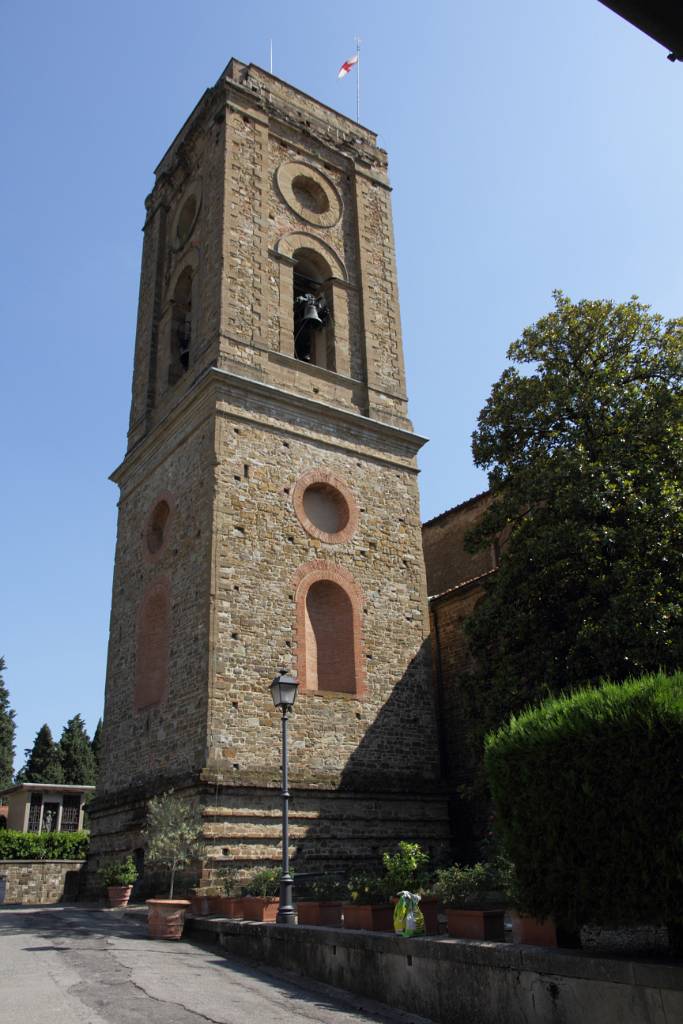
(328, 628)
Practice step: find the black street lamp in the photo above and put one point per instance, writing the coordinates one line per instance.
(284, 689)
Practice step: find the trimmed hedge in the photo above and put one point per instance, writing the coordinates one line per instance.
(43, 845)
(588, 791)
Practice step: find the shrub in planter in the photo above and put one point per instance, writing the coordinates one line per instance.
(474, 901)
(588, 791)
(369, 907)
(118, 877)
(230, 902)
(406, 868)
(261, 898)
(323, 905)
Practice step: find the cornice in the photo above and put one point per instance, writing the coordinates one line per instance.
(267, 399)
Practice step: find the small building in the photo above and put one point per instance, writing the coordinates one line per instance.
(45, 807)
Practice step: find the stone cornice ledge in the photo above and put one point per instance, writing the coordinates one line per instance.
(401, 440)
(301, 403)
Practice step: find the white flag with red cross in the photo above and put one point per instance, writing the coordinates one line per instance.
(347, 65)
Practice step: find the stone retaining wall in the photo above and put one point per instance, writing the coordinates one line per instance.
(41, 881)
(452, 980)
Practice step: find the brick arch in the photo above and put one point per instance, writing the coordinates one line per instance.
(329, 605)
(152, 645)
(295, 240)
(189, 259)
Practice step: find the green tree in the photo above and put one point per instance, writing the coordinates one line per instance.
(7, 731)
(76, 755)
(96, 745)
(173, 833)
(583, 443)
(42, 760)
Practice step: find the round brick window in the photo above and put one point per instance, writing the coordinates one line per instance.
(156, 527)
(310, 194)
(325, 506)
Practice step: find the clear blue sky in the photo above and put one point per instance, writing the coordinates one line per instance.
(533, 145)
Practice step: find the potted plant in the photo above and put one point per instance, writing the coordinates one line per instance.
(173, 834)
(230, 902)
(205, 901)
(117, 877)
(324, 906)
(406, 870)
(475, 904)
(368, 906)
(262, 896)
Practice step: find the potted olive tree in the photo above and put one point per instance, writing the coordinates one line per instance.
(261, 898)
(474, 900)
(173, 835)
(117, 877)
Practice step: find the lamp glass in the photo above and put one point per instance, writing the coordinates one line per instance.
(283, 690)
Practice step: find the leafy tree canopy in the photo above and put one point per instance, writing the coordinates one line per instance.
(173, 833)
(7, 731)
(76, 755)
(583, 443)
(42, 760)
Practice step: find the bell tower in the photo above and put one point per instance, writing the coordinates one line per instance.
(269, 512)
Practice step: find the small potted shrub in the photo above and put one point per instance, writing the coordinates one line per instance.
(368, 907)
(262, 896)
(406, 870)
(117, 877)
(230, 903)
(173, 834)
(324, 906)
(475, 904)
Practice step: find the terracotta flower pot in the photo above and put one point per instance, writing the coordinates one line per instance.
(256, 908)
(430, 907)
(229, 906)
(203, 905)
(166, 918)
(531, 932)
(371, 917)
(476, 924)
(320, 912)
(118, 895)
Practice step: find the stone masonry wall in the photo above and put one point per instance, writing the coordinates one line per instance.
(41, 881)
(261, 545)
(168, 737)
(447, 562)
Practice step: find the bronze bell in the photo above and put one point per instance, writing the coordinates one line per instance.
(311, 310)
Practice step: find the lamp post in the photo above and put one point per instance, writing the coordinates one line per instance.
(283, 690)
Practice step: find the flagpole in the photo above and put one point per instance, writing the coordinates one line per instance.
(357, 80)
(271, 56)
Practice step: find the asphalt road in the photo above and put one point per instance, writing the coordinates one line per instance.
(66, 964)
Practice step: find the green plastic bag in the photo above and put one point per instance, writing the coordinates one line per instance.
(408, 919)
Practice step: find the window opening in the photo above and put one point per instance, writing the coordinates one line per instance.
(34, 812)
(71, 812)
(182, 327)
(313, 334)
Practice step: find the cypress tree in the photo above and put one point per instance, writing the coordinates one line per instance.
(76, 755)
(96, 745)
(42, 760)
(7, 731)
